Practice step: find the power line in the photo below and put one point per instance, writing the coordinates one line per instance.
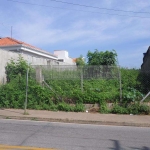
(97, 7)
(74, 9)
(4, 24)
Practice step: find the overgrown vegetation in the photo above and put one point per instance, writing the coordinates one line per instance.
(80, 61)
(102, 58)
(16, 69)
(131, 108)
(66, 94)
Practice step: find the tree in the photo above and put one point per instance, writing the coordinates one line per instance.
(16, 68)
(80, 61)
(102, 58)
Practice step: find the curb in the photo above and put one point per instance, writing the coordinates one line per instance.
(77, 121)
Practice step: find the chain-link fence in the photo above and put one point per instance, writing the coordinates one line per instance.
(92, 82)
(144, 86)
(92, 79)
(75, 72)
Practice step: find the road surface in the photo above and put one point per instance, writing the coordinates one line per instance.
(73, 136)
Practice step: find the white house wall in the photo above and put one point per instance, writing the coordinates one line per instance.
(5, 56)
(63, 54)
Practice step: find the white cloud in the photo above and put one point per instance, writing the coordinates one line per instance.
(36, 26)
(46, 27)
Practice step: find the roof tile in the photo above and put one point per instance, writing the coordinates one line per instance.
(7, 41)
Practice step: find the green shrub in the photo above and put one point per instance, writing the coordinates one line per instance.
(53, 107)
(117, 109)
(131, 95)
(17, 68)
(65, 107)
(79, 108)
(144, 109)
(133, 108)
(137, 108)
(103, 106)
(129, 78)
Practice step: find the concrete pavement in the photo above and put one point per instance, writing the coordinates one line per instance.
(80, 117)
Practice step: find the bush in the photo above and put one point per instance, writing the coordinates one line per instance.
(79, 108)
(93, 90)
(129, 78)
(131, 95)
(62, 106)
(103, 106)
(144, 109)
(133, 108)
(12, 96)
(65, 107)
(117, 109)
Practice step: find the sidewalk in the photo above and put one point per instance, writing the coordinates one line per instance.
(80, 117)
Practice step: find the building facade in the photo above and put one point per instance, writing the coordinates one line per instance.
(12, 48)
(63, 56)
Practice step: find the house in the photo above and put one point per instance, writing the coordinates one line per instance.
(63, 56)
(33, 53)
(145, 67)
(11, 48)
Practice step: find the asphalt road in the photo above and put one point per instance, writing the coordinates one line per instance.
(73, 136)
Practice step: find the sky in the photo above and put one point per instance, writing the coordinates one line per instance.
(81, 25)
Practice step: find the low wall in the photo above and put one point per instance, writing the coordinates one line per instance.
(95, 107)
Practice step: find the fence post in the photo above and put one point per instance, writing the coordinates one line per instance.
(39, 77)
(26, 99)
(81, 79)
(120, 84)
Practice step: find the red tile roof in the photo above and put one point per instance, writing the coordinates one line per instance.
(7, 41)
